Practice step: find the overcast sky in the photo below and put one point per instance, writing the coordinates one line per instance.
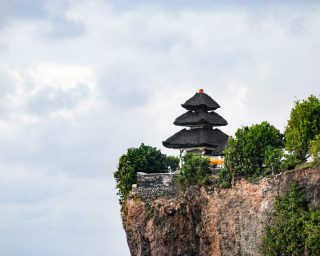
(81, 81)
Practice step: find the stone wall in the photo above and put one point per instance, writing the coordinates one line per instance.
(154, 185)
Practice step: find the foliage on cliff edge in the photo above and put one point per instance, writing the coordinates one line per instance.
(314, 150)
(253, 152)
(195, 170)
(261, 149)
(303, 126)
(296, 226)
(143, 159)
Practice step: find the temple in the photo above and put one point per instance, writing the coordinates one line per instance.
(201, 137)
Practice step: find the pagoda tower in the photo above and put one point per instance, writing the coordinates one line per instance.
(201, 137)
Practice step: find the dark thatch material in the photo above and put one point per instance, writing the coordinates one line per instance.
(200, 101)
(200, 118)
(218, 151)
(198, 137)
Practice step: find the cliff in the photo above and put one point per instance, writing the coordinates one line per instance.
(208, 220)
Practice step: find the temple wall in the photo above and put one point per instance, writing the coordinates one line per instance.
(154, 185)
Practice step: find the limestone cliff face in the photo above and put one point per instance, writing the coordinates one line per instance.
(211, 221)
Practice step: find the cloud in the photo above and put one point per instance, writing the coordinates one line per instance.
(6, 87)
(55, 222)
(81, 81)
(114, 87)
(64, 28)
(49, 99)
(34, 9)
(59, 25)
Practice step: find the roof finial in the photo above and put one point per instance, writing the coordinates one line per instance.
(201, 91)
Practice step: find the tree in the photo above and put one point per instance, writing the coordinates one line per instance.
(289, 161)
(246, 153)
(314, 149)
(273, 159)
(303, 126)
(194, 170)
(143, 159)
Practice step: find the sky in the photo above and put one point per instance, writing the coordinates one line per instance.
(82, 81)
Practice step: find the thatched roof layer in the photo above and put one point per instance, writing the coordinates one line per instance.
(198, 137)
(218, 151)
(200, 101)
(191, 118)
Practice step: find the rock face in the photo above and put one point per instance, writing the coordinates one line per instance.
(209, 220)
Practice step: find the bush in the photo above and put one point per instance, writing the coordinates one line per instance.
(286, 236)
(225, 178)
(314, 150)
(143, 159)
(195, 170)
(252, 149)
(289, 162)
(295, 227)
(303, 126)
(312, 232)
(149, 212)
(273, 160)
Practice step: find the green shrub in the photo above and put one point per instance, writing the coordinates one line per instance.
(312, 232)
(143, 159)
(273, 160)
(303, 126)
(290, 162)
(294, 228)
(250, 151)
(195, 170)
(149, 212)
(314, 150)
(225, 178)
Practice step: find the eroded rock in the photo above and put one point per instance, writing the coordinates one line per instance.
(211, 221)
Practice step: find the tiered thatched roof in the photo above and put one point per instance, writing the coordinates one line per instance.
(201, 121)
(199, 101)
(196, 118)
(198, 137)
